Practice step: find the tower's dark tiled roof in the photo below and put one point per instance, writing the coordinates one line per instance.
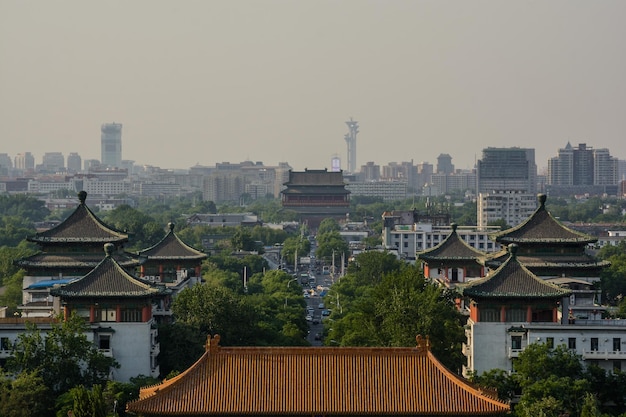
(82, 226)
(107, 279)
(452, 248)
(512, 280)
(171, 247)
(73, 260)
(541, 227)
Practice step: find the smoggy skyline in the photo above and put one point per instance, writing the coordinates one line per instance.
(200, 82)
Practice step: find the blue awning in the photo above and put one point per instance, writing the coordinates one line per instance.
(49, 283)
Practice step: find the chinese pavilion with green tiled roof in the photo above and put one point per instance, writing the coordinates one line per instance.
(67, 251)
(118, 307)
(452, 261)
(548, 248)
(171, 261)
(512, 296)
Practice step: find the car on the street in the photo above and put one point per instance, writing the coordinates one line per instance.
(310, 310)
(321, 306)
(326, 313)
(309, 317)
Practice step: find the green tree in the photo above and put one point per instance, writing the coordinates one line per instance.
(143, 229)
(295, 246)
(327, 226)
(242, 239)
(26, 395)
(329, 244)
(393, 308)
(63, 356)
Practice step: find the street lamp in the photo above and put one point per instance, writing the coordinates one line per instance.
(287, 295)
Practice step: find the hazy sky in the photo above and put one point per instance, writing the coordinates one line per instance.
(200, 82)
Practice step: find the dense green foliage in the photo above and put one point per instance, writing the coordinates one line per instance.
(612, 280)
(268, 313)
(63, 357)
(384, 302)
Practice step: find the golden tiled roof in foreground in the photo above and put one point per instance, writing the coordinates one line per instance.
(316, 381)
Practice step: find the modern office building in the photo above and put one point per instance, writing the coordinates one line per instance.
(444, 164)
(507, 169)
(408, 233)
(25, 161)
(5, 162)
(386, 190)
(511, 206)
(370, 172)
(582, 166)
(52, 162)
(74, 162)
(111, 145)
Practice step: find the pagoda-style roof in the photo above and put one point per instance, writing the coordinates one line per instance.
(316, 381)
(315, 177)
(315, 190)
(82, 226)
(541, 227)
(172, 248)
(453, 248)
(108, 279)
(72, 260)
(513, 280)
(573, 261)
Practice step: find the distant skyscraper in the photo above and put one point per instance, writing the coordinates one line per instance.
(582, 166)
(25, 161)
(53, 162)
(111, 145)
(370, 172)
(507, 169)
(350, 138)
(444, 164)
(5, 161)
(74, 162)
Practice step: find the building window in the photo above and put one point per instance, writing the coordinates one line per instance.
(516, 342)
(617, 342)
(594, 343)
(550, 342)
(489, 315)
(108, 314)
(571, 343)
(617, 366)
(5, 343)
(104, 342)
(131, 315)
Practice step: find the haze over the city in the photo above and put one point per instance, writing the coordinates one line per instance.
(200, 82)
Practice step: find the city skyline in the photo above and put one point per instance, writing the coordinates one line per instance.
(273, 81)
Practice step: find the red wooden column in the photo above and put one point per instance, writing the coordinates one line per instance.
(146, 313)
(503, 314)
(529, 313)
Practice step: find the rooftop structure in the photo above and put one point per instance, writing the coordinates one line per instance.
(316, 381)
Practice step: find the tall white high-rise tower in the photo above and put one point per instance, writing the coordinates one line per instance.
(111, 145)
(350, 138)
